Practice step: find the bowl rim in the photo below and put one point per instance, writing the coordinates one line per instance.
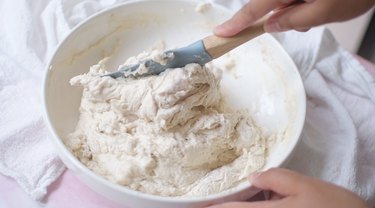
(62, 149)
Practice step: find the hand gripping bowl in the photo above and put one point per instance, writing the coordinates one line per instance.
(265, 81)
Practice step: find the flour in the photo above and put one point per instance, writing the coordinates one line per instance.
(167, 135)
(203, 7)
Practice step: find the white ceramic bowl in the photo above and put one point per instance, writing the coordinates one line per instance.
(265, 81)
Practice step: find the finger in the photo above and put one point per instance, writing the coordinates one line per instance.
(248, 15)
(283, 182)
(263, 204)
(300, 17)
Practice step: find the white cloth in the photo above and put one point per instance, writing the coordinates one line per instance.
(337, 143)
(25, 151)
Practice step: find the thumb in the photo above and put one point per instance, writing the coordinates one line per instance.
(280, 181)
(242, 19)
(299, 17)
(247, 16)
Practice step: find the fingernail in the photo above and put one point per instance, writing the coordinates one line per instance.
(309, 1)
(218, 29)
(223, 30)
(253, 176)
(276, 27)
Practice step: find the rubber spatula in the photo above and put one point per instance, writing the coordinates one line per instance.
(200, 52)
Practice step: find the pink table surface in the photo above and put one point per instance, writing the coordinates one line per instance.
(69, 191)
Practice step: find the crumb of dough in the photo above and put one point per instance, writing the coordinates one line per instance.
(202, 7)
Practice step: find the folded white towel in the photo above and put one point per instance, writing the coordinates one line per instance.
(25, 151)
(338, 141)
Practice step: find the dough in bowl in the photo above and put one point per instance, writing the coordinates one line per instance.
(167, 135)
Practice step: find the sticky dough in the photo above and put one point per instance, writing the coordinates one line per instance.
(167, 135)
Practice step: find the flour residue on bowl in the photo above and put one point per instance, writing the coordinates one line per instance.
(166, 135)
(203, 7)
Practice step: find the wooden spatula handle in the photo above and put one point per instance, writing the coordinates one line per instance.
(218, 46)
